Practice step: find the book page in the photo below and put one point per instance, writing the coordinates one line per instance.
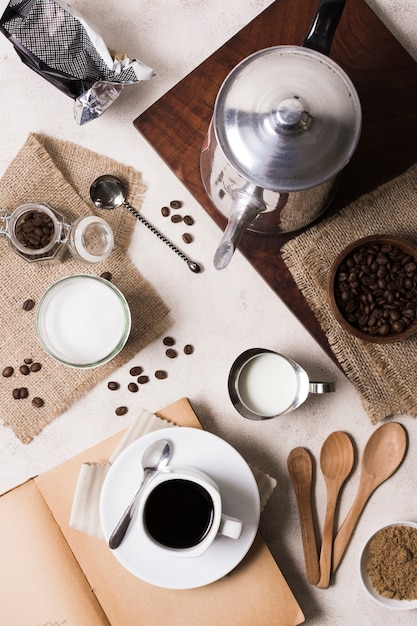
(41, 583)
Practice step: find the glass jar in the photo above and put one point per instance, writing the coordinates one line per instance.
(38, 232)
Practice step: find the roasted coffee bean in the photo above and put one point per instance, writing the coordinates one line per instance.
(168, 341)
(35, 367)
(113, 385)
(165, 211)
(24, 369)
(376, 288)
(28, 361)
(142, 380)
(136, 371)
(28, 304)
(38, 402)
(121, 410)
(176, 218)
(8, 371)
(161, 374)
(187, 238)
(171, 353)
(34, 229)
(188, 220)
(188, 349)
(175, 204)
(133, 387)
(106, 275)
(20, 393)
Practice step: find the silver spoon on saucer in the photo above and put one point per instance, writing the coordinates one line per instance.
(108, 192)
(154, 458)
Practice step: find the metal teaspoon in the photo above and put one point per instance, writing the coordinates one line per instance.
(154, 458)
(336, 462)
(383, 454)
(300, 468)
(108, 192)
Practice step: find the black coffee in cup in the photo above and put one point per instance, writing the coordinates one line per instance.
(178, 513)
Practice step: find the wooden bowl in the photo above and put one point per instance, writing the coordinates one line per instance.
(372, 288)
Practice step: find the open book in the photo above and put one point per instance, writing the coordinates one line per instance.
(53, 575)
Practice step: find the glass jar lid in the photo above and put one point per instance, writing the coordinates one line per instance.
(287, 118)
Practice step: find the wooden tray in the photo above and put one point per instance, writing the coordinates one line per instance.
(386, 80)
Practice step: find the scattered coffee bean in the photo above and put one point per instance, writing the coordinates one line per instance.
(171, 353)
(35, 367)
(161, 374)
(28, 304)
(175, 204)
(24, 369)
(136, 371)
(168, 341)
(142, 380)
(133, 387)
(376, 289)
(113, 385)
(8, 371)
(34, 230)
(106, 275)
(38, 402)
(165, 211)
(188, 220)
(121, 410)
(187, 238)
(20, 393)
(188, 349)
(28, 361)
(176, 218)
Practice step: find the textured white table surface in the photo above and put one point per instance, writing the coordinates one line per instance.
(220, 313)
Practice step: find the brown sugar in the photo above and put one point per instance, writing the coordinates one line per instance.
(392, 562)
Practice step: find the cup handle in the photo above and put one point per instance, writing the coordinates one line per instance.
(318, 387)
(230, 527)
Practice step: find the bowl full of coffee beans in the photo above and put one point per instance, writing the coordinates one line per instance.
(372, 288)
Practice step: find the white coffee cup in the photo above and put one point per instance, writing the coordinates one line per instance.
(181, 512)
(265, 384)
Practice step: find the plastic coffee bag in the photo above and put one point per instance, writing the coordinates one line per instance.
(55, 41)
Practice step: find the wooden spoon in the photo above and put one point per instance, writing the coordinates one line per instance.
(336, 462)
(382, 455)
(300, 468)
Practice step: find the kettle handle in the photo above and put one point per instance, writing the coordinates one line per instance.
(323, 27)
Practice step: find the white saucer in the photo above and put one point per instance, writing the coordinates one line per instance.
(240, 495)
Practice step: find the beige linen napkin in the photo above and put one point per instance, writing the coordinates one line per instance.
(383, 375)
(85, 512)
(60, 173)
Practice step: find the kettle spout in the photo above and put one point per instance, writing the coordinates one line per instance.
(247, 204)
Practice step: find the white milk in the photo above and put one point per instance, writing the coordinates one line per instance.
(268, 384)
(83, 320)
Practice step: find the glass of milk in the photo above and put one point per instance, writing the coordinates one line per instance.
(83, 321)
(264, 384)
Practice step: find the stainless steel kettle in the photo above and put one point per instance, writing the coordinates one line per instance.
(286, 121)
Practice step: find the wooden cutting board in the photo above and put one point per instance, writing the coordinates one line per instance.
(385, 77)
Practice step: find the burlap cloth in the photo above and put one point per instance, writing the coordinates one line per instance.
(384, 375)
(60, 173)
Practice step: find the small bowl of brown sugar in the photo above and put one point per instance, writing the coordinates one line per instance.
(388, 566)
(372, 288)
